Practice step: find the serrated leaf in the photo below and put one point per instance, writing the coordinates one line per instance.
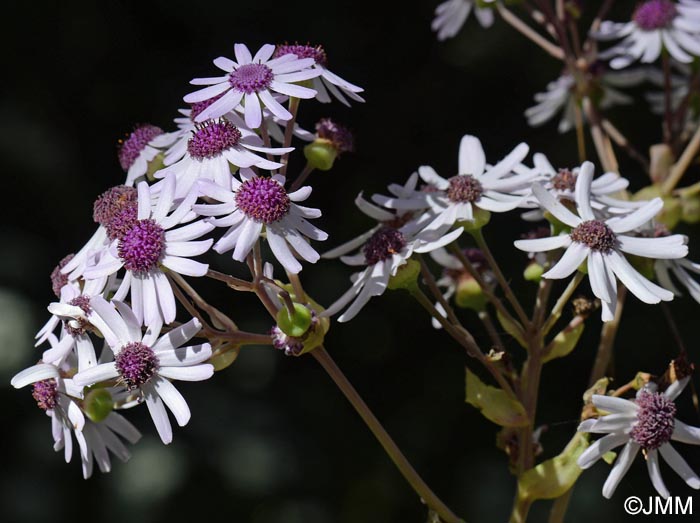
(564, 342)
(494, 403)
(554, 477)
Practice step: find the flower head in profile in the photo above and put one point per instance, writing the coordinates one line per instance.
(326, 82)
(137, 150)
(451, 15)
(655, 25)
(647, 423)
(144, 364)
(257, 204)
(254, 81)
(62, 401)
(476, 186)
(601, 243)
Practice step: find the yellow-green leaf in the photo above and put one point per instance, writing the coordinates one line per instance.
(564, 342)
(552, 478)
(494, 403)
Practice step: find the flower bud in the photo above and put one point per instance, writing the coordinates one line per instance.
(469, 294)
(690, 209)
(224, 356)
(332, 140)
(533, 272)
(295, 324)
(154, 166)
(481, 218)
(98, 404)
(405, 277)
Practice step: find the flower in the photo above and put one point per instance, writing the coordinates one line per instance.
(326, 81)
(647, 422)
(61, 399)
(681, 269)
(655, 24)
(254, 203)
(383, 254)
(138, 150)
(252, 80)
(152, 243)
(561, 96)
(145, 363)
(477, 185)
(601, 244)
(451, 15)
(212, 148)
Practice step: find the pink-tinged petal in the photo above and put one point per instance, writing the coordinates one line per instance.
(655, 473)
(159, 414)
(242, 53)
(543, 244)
(209, 80)
(274, 106)
(173, 399)
(225, 64)
(292, 90)
(185, 266)
(297, 76)
(191, 373)
(472, 159)
(39, 372)
(622, 465)
(253, 113)
(281, 66)
(570, 261)
(341, 82)
(264, 54)
(686, 433)
(178, 336)
(680, 466)
(184, 356)
(97, 374)
(86, 352)
(223, 105)
(207, 93)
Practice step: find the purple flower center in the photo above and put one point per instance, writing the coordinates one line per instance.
(263, 199)
(464, 188)
(564, 180)
(83, 325)
(198, 107)
(656, 418)
(595, 234)
(251, 78)
(142, 247)
(340, 136)
(122, 222)
(130, 148)
(212, 138)
(116, 210)
(58, 279)
(303, 51)
(654, 14)
(45, 394)
(136, 363)
(383, 244)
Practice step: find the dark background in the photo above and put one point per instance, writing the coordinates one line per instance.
(271, 440)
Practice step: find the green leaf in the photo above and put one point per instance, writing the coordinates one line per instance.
(494, 403)
(554, 477)
(511, 328)
(564, 342)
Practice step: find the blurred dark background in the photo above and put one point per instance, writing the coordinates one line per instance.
(271, 440)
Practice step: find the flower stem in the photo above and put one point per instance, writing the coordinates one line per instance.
(679, 168)
(607, 340)
(308, 169)
(390, 447)
(289, 132)
(529, 33)
(561, 302)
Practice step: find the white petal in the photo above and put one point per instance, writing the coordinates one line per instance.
(613, 404)
(97, 374)
(159, 415)
(599, 448)
(178, 336)
(39, 372)
(655, 473)
(622, 465)
(472, 158)
(678, 464)
(173, 399)
(193, 373)
(184, 356)
(551, 204)
(572, 258)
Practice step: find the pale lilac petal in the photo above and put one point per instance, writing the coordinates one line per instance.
(159, 414)
(599, 448)
(680, 466)
(622, 465)
(173, 399)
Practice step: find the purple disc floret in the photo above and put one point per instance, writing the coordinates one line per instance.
(655, 420)
(45, 394)
(303, 51)
(263, 199)
(136, 363)
(142, 247)
(383, 244)
(596, 235)
(464, 188)
(58, 279)
(130, 148)
(654, 14)
(212, 138)
(251, 78)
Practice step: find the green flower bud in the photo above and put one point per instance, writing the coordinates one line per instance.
(481, 218)
(154, 166)
(533, 272)
(295, 324)
(671, 214)
(690, 209)
(98, 404)
(321, 154)
(405, 277)
(470, 295)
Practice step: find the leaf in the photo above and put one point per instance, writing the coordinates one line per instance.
(554, 477)
(511, 328)
(564, 342)
(494, 403)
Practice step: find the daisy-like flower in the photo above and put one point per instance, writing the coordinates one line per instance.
(61, 399)
(256, 203)
(655, 25)
(252, 80)
(681, 270)
(477, 185)
(383, 254)
(561, 97)
(648, 423)
(601, 243)
(154, 242)
(138, 150)
(451, 15)
(326, 81)
(212, 148)
(145, 363)
(562, 184)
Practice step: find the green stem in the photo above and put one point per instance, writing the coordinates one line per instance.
(607, 340)
(561, 302)
(289, 132)
(390, 447)
(308, 169)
